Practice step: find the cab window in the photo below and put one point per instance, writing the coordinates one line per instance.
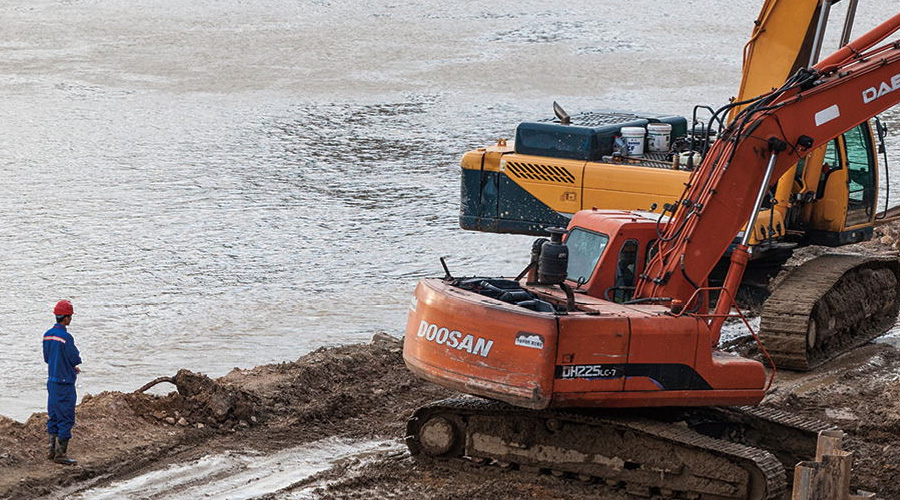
(625, 266)
(830, 164)
(585, 249)
(860, 166)
(832, 160)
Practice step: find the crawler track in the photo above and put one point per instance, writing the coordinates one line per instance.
(643, 455)
(828, 306)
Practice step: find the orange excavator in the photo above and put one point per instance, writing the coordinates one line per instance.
(545, 347)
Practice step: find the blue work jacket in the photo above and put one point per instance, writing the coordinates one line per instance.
(61, 355)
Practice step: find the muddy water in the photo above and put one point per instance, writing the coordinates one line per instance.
(228, 183)
(239, 476)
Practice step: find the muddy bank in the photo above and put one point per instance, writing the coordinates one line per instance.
(858, 392)
(358, 391)
(363, 394)
(268, 415)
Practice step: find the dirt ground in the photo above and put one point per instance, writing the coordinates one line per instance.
(363, 393)
(358, 391)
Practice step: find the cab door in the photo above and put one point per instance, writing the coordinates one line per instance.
(862, 183)
(844, 197)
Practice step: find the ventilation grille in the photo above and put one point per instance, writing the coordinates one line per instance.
(598, 118)
(535, 172)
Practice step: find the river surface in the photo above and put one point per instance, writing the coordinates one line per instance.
(225, 183)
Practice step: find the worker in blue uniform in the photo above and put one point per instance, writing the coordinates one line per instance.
(62, 358)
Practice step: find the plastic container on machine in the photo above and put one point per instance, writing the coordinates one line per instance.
(689, 160)
(634, 139)
(659, 137)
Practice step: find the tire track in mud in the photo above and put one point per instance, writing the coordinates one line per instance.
(242, 475)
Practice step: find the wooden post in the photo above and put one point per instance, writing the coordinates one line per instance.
(825, 480)
(828, 442)
(804, 477)
(837, 476)
(828, 478)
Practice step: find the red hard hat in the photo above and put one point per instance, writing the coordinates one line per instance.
(63, 308)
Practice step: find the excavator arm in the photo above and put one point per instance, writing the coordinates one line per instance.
(762, 142)
(777, 47)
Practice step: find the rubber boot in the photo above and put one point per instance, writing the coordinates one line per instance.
(52, 454)
(61, 457)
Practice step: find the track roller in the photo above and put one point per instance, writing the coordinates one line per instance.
(635, 453)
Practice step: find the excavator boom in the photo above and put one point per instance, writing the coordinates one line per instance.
(761, 144)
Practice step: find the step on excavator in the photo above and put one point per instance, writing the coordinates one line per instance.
(563, 378)
(556, 167)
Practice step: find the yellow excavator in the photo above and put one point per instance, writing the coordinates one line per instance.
(556, 167)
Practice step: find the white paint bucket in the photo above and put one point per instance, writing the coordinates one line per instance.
(659, 136)
(634, 139)
(691, 157)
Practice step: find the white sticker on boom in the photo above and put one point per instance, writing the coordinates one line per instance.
(827, 114)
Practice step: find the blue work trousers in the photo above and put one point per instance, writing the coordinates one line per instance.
(61, 409)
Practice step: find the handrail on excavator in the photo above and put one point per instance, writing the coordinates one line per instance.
(848, 52)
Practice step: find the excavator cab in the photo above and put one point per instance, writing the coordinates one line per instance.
(608, 250)
(843, 189)
(830, 199)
